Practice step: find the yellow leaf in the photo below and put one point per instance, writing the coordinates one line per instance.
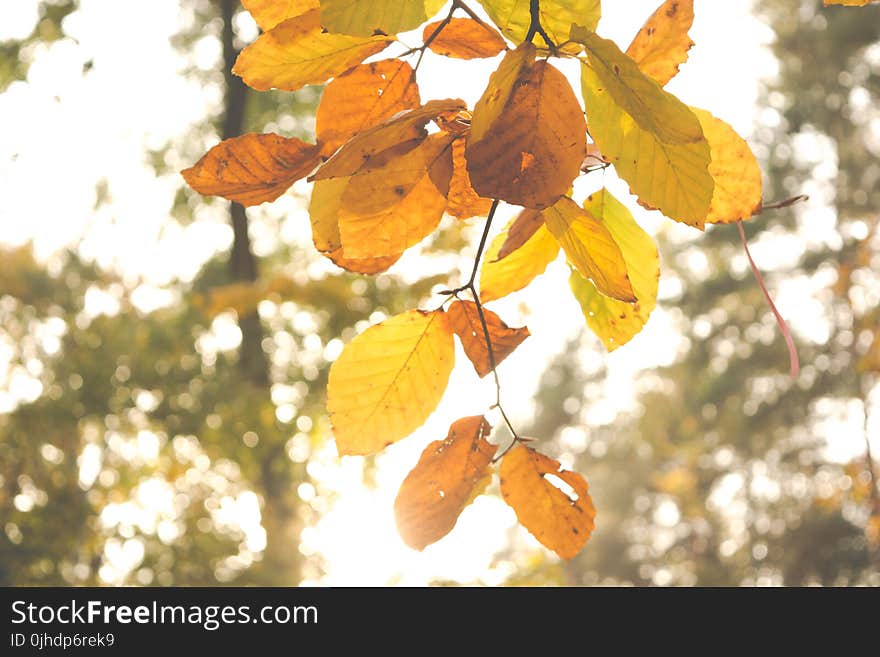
(446, 479)
(463, 201)
(533, 149)
(616, 322)
(324, 206)
(498, 278)
(361, 149)
(671, 177)
(252, 169)
(464, 319)
(557, 18)
(561, 521)
(388, 380)
(361, 98)
(521, 230)
(638, 96)
(662, 45)
(464, 38)
(269, 13)
(589, 247)
(362, 18)
(737, 174)
(297, 52)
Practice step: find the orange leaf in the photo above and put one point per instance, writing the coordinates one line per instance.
(359, 151)
(269, 13)
(367, 266)
(521, 230)
(464, 38)
(560, 521)
(464, 202)
(362, 98)
(447, 477)
(464, 319)
(662, 45)
(528, 136)
(252, 169)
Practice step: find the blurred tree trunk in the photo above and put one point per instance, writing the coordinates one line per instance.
(280, 563)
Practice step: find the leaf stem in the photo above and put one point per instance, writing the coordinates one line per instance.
(471, 287)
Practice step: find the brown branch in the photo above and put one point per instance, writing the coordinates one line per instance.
(535, 27)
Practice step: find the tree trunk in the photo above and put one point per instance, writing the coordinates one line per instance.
(280, 560)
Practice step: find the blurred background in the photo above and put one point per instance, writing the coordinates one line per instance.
(163, 356)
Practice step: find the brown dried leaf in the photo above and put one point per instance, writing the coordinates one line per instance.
(560, 522)
(446, 479)
(361, 98)
(465, 322)
(464, 38)
(528, 136)
(253, 168)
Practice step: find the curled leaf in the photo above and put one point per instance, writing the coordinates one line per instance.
(464, 319)
(463, 201)
(521, 230)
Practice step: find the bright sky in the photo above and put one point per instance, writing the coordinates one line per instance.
(62, 133)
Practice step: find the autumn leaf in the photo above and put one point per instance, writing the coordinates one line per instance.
(589, 247)
(520, 231)
(616, 322)
(253, 168)
(557, 18)
(662, 45)
(386, 209)
(560, 521)
(297, 52)
(388, 380)
(269, 13)
(463, 201)
(464, 38)
(405, 127)
(376, 16)
(735, 169)
(361, 98)
(498, 278)
(528, 149)
(448, 476)
(464, 319)
(367, 266)
(654, 140)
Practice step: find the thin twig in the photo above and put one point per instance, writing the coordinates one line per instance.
(794, 363)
